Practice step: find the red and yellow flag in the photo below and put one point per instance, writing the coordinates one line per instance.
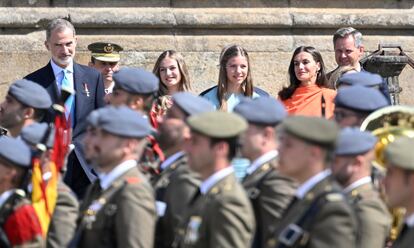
(44, 192)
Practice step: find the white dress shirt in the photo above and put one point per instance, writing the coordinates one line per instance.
(207, 184)
(261, 160)
(357, 183)
(57, 71)
(170, 160)
(107, 179)
(310, 183)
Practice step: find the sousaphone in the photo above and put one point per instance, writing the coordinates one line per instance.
(387, 124)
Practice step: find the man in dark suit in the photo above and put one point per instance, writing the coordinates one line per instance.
(60, 72)
(349, 49)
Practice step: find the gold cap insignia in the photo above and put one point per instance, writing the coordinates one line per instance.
(108, 48)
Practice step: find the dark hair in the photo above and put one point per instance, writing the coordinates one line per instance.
(184, 84)
(227, 53)
(39, 114)
(232, 142)
(321, 79)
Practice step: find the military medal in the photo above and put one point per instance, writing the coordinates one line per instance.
(85, 87)
(191, 235)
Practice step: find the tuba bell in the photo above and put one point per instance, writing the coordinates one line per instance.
(387, 124)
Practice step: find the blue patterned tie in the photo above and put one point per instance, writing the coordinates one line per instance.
(66, 84)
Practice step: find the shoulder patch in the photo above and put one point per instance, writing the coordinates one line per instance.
(132, 180)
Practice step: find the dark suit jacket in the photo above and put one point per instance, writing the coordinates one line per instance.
(84, 102)
(89, 95)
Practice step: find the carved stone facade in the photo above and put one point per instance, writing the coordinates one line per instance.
(269, 29)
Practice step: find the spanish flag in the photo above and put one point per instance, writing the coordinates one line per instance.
(44, 192)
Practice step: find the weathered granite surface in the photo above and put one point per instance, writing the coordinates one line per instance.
(270, 30)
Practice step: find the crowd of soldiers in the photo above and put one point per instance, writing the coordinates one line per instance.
(131, 183)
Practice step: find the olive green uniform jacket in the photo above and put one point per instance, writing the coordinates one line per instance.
(223, 217)
(372, 215)
(121, 216)
(174, 187)
(270, 194)
(332, 224)
(63, 223)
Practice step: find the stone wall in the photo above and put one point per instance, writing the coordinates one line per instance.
(269, 29)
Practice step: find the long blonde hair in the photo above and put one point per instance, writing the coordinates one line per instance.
(184, 84)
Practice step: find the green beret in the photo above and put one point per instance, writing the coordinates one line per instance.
(400, 153)
(314, 130)
(217, 124)
(105, 51)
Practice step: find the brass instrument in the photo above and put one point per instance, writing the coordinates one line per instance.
(387, 124)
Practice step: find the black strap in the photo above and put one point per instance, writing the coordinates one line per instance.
(256, 192)
(323, 106)
(308, 216)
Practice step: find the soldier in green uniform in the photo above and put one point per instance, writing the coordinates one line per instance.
(269, 192)
(352, 169)
(137, 88)
(26, 102)
(354, 103)
(220, 213)
(119, 208)
(176, 183)
(63, 222)
(20, 226)
(319, 216)
(399, 185)
(105, 58)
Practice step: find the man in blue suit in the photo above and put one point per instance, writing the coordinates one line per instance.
(63, 71)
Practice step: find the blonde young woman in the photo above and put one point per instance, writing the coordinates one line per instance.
(172, 72)
(235, 80)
